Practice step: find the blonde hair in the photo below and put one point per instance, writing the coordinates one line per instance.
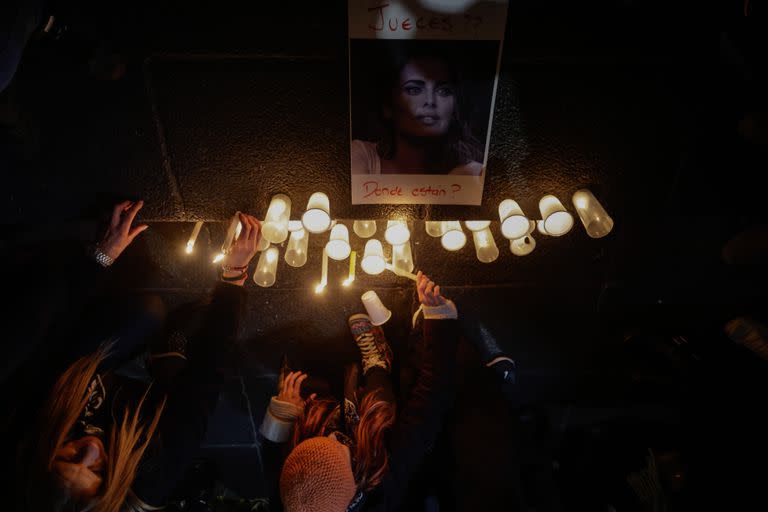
(127, 441)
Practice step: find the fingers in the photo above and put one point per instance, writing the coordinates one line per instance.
(130, 215)
(297, 384)
(429, 293)
(313, 396)
(288, 382)
(117, 212)
(421, 283)
(256, 228)
(292, 384)
(136, 231)
(246, 232)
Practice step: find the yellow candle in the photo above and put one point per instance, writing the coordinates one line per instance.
(352, 262)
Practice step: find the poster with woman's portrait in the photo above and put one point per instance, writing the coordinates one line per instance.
(423, 76)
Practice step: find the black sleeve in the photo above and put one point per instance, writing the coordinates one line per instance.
(273, 457)
(192, 397)
(420, 420)
(45, 317)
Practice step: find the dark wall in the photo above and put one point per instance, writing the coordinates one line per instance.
(205, 110)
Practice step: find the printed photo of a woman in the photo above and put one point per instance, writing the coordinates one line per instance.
(414, 111)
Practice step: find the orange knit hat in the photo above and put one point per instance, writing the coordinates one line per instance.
(317, 477)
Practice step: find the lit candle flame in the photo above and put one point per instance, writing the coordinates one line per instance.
(193, 236)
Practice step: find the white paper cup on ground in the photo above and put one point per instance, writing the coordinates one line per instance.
(376, 310)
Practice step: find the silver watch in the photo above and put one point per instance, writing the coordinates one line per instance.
(102, 258)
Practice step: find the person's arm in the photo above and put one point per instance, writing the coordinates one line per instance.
(193, 394)
(419, 422)
(66, 295)
(277, 428)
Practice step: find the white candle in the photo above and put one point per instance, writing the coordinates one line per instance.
(193, 236)
(231, 232)
(324, 277)
(266, 269)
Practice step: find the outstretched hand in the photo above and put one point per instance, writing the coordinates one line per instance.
(290, 391)
(429, 294)
(120, 233)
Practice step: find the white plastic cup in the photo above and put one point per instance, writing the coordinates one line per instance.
(275, 226)
(397, 232)
(296, 252)
(434, 228)
(266, 269)
(317, 218)
(376, 310)
(557, 220)
(364, 228)
(514, 223)
(338, 244)
(373, 262)
(593, 216)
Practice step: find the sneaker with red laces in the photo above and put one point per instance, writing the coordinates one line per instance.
(373, 346)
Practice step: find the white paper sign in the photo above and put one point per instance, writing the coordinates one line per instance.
(423, 78)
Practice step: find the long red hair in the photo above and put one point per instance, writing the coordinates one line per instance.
(370, 455)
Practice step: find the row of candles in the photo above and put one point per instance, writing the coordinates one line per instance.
(515, 226)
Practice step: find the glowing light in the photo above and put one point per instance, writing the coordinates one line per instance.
(397, 232)
(373, 258)
(338, 244)
(364, 228)
(266, 269)
(317, 218)
(193, 236)
(453, 238)
(485, 246)
(434, 228)
(522, 246)
(477, 225)
(275, 225)
(557, 221)
(296, 252)
(513, 223)
(593, 216)
(402, 258)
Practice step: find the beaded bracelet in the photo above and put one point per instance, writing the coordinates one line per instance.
(238, 277)
(230, 268)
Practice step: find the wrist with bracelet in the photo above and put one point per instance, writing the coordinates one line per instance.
(241, 273)
(101, 257)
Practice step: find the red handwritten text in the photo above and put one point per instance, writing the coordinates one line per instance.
(433, 23)
(373, 189)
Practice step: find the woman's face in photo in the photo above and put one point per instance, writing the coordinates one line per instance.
(424, 99)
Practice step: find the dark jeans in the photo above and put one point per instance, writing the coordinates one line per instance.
(380, 381)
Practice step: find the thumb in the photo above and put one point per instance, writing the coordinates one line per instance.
(136, 231)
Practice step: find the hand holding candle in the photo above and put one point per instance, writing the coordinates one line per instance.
(243, 248)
